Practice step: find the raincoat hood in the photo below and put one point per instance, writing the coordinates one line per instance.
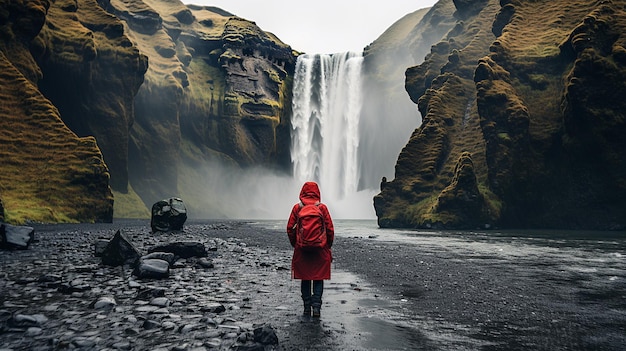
(310, 193)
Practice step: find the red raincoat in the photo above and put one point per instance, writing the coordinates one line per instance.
(311, 265)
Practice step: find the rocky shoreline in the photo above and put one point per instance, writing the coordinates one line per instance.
(58, 295)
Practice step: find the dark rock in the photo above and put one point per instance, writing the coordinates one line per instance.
(205, 263)
(185, 16)
(465, 8)
(74, 286)
(251, 347)
(16, 237)
(1, 211)
(184, 249)
(120, 251)
(168, 214)
(462, 200)
(152, 268)
(165, 256)
(99, 246)
(83, 343)
(50, 280)
(23, 321)
(214, 307)
(142, 20)
(103, 303)
(150, 293)
(265, 335)
(151, 324)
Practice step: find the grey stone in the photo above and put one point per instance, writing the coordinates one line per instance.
(152, 268)
(165, 256)
(104, 303)
(16, 237)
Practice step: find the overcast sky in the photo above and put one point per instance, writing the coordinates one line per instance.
(321, 26)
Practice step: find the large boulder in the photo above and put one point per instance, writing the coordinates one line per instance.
(120, 251)
(16, 237)
(169, 214)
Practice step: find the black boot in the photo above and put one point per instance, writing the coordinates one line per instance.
(316, 306)
(316, 298)
(307, 306)
(317, 313)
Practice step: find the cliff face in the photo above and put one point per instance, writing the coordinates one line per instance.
(91, 72)
(387, 115)
(46, 170)
(214, 91)
(523, 97)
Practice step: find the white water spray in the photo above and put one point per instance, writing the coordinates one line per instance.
(326, 106)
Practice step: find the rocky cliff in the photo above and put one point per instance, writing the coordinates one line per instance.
(523, 118)
(47, 172)
(214, 93)
(387, 115)
(168, 91)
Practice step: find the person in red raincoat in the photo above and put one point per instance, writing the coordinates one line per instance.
(312, 267)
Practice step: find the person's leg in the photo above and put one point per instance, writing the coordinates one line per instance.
(305, 288)
(316, 299)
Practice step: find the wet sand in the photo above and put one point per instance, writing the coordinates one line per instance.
(386, 294)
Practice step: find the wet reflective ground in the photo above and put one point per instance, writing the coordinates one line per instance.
(492, 290)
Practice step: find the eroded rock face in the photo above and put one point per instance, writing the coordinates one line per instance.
(461, 199)
(544, 153)
(466, 8)
(46, 169)
(215, 91)
(91, 73)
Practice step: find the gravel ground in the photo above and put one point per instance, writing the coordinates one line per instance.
(416, 294)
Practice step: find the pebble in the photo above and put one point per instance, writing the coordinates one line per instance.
(66, 299)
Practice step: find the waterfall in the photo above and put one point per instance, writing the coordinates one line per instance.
(326, 106)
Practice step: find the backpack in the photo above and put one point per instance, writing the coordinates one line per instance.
(311, 231)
